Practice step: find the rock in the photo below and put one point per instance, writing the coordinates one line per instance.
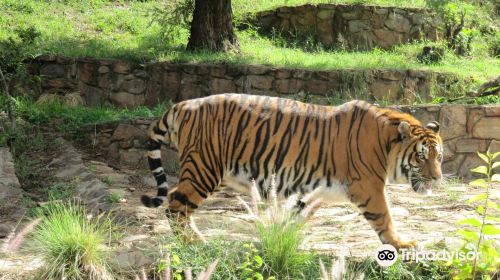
(93, 96)
(260, 82)
(127, 100)
(69, 165)
(494, 146)
(52, 71)
(122, 67)
(191, 91)
(449, 149)
(471, 161)
(325, 14)
(161, 227)
(132, 259)
(149, 181)
(452, 119)
(135, 86)
(317, 87)
(170, 160)
(384, 90)
(87, 73)
(222, 86)
(355, 26)
(134, 238)
(73, 99)
(48, 98)
(397, 23)
(70, 172)
(290, 86)
(141, 74)
(127, 132)
(471, 145)
(171, 82)
(392, 75)
(386, 38)
(103, 69)
(101, 167)
(11, 206)
(256, 69)
(132, 157)
(452, 165)
(487, 128)
(492, 110)
(5, 230)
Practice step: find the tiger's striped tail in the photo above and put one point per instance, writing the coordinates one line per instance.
(156, 138)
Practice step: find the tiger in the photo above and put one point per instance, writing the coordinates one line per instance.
(327, 153)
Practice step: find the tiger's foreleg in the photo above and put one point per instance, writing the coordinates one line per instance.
(372, 202)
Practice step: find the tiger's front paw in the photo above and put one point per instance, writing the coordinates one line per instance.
(405, 244)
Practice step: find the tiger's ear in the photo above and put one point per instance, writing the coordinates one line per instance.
(404, 130)
(434, 126)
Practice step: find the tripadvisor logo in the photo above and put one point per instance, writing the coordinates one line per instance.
(386, 255)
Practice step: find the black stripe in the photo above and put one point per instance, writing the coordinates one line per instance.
(153, 145)
(162, 192)
(373, 216)
(184, 200)
(154, 163)
(365, 204)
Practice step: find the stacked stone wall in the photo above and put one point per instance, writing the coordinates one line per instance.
(128, 84)
(351, 26)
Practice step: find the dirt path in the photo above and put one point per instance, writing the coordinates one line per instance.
(336, 229)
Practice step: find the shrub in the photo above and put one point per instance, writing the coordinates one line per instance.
(72, 243)
(477, 235)
(279, 233)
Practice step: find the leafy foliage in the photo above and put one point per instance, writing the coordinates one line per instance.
(477, 232)
(252, 265)
(174, 17)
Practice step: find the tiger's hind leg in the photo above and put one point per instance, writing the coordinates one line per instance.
(371, 200)
(184, 199)
(196, 183)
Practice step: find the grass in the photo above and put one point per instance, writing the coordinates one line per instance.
(104, 29)
(279, 231)
(114, 198)
(72, 120)
(279, 245)
(72, 244)
(198, 256)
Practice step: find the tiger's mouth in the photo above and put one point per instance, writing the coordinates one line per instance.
(422, 185)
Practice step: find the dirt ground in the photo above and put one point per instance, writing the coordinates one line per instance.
(334, 229)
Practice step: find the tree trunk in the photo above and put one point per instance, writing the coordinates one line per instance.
(212, 27)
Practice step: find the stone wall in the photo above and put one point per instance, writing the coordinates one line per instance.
(11, 194)
(129, 84)
(465, 129)
(351, 26)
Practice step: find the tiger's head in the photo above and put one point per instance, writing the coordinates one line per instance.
(419, 159)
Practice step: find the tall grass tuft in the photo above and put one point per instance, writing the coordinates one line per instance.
(72, 243)
(280, 234)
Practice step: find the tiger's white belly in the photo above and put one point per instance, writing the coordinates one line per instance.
(334, 193)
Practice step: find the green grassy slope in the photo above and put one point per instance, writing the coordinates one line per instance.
(127, 29)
